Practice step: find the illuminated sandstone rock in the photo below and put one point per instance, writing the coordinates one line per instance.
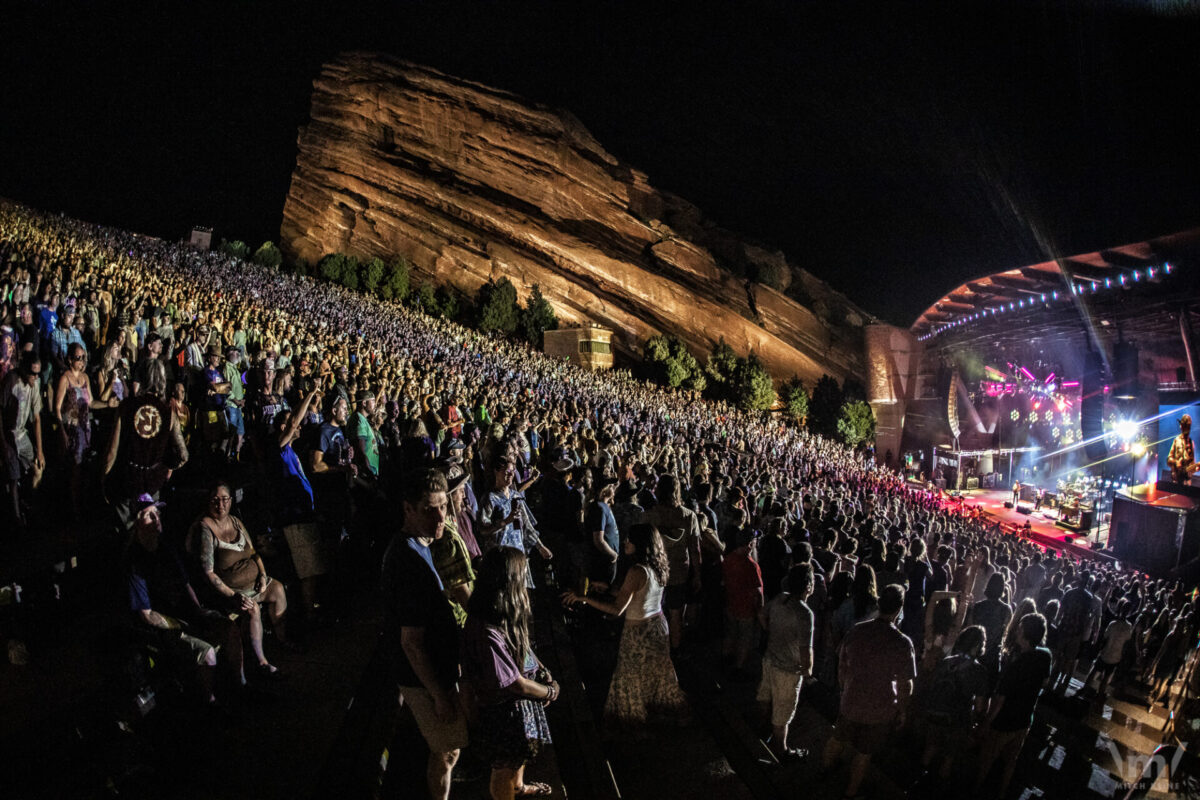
(471, 183)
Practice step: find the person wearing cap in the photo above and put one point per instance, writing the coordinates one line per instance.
(151, 352)
(63, 336)
(235, 401)
(166, 606)
(362, 435)
(216, 388)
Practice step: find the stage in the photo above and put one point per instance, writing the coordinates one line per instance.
(1043, 529)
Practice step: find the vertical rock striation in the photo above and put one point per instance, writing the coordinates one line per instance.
(471, 183)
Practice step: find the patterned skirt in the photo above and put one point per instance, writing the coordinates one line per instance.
(510, 734)
(644, 679)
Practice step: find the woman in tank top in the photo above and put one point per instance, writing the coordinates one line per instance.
(644, 678)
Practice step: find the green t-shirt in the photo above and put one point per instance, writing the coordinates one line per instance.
(362, 430)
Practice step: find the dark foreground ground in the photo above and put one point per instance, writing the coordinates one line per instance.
(71, 727)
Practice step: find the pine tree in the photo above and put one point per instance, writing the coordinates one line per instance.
(497, 303)
(537, 317)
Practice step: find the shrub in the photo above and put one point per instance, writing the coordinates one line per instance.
(425, 300)
(237, 248)
(395, 285)
(668, 361)
(268, 255)
(794, 399)
(856, 423)
(722, 363)
(330, 267)
(752, 386)
(372, 275)
(349, 277)
(447, 303)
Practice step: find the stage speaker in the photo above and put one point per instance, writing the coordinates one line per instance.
(1008, 503)
(1144, 535)
(1125, 384)
(1024, 508)
(1091, 408)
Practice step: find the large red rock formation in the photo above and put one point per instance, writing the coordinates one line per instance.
(471, 183)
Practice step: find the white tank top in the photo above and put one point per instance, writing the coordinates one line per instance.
(646, 601)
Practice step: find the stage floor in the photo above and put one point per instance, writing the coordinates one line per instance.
(1044, 530)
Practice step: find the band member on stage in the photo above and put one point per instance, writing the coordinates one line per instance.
(1182, 458)
(1016, 492)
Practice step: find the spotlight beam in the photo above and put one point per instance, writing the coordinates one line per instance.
(1085, 442)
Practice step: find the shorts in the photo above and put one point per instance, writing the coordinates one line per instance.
(442, 737)
(1104, 669)
(181, 648)
(237, 422)
(308, 549)
(867, 738)
(781, 689)
(675, 597)
(18, 457)
(1069, 647)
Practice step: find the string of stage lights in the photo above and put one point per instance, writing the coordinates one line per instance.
(1076, 286)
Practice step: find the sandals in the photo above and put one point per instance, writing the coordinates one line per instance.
(534, 789)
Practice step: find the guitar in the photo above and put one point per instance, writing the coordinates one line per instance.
(1184, 472)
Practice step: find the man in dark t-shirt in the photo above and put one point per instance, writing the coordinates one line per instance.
(1010, 714)
(877, 666)
(420, 635)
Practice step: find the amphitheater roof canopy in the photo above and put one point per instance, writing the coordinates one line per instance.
(1051, 287)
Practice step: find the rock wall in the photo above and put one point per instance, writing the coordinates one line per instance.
(471, 183)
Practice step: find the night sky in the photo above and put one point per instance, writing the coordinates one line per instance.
(893, 149)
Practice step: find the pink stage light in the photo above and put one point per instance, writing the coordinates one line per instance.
(1028, 374)
(1070, 383)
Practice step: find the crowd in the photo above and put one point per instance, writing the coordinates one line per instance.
(132, 369)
